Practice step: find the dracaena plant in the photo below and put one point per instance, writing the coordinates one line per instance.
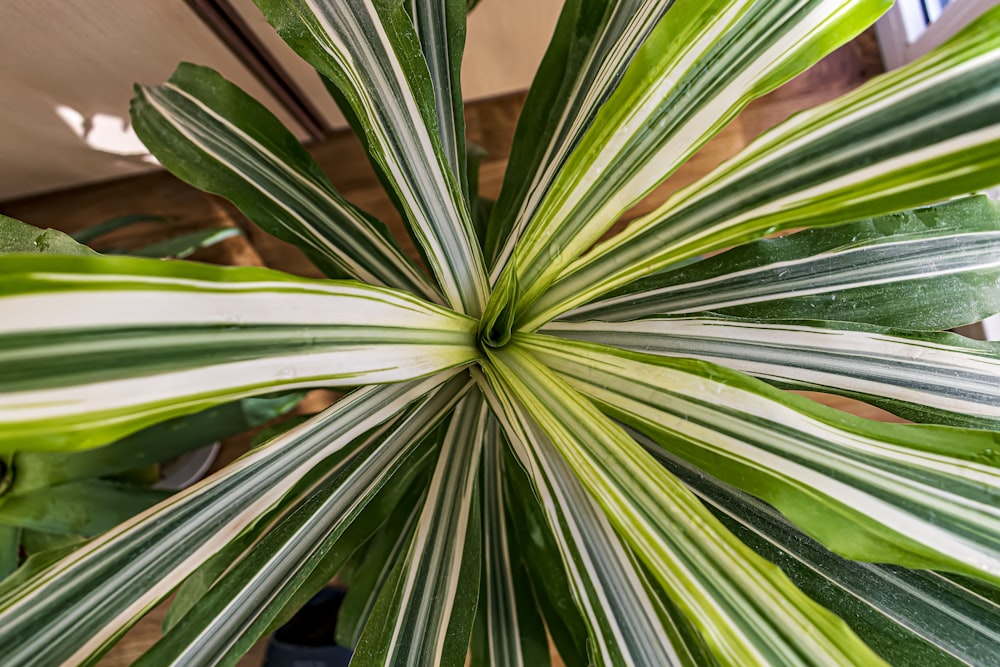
(58, 498)
(547, 435)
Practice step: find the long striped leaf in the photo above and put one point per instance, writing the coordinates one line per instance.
(690, 645)
(155, 444)
(245, 602)
(370, 50)
(593, 44)
(937, 378)
(440, 26)
(932, 268)
(425, 612)
(77, 606)
(369, 568)
(253, 543)
(744, 607)
(909, 617)
(542, 565)
(406, 487)
(622, 619)
(922, 133)
(703, 63)
(211, 134)
(197, 584)
(96, 348)
(357, 124)
(508, 629)
(913, 495)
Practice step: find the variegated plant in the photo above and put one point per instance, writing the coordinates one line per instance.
(593, 436)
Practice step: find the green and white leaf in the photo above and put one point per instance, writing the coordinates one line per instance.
(155, 444)
(440, 26)
(244, 603)
(368, 569)
(912, 495)
(74, 608)
(96, 348)
(621, 617)
(542, 566)
(248, 546)
(508, 629)
(747, 611)
(940, 378)
(690, 644)
(909, 617)
(370, 50)
(197, 584)
(593, 44)
(920, 134)
(424, 613)
(216, 137)
(932, 268)
(578, 528)
(700, 66)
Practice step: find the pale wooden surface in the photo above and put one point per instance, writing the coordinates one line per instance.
(490, 124)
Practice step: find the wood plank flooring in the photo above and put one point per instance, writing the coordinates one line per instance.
(490, 124)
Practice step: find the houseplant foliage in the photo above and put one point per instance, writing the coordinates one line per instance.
(52, 499)
(597, 437)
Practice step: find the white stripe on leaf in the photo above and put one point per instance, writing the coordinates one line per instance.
(127, 570)
(372, 54)
(245, 602)
(938, 372)
(194, 104)
(427, 600)
(627, 26)
(919, 496)
(94, 356)
(909, 616)
(953, 249)
(745, 608)
(803, 173)
(678, 93)
(621, 617)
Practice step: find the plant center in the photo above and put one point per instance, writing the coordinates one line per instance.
(498, 320)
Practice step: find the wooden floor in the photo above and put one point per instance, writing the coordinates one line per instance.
(490, 125)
